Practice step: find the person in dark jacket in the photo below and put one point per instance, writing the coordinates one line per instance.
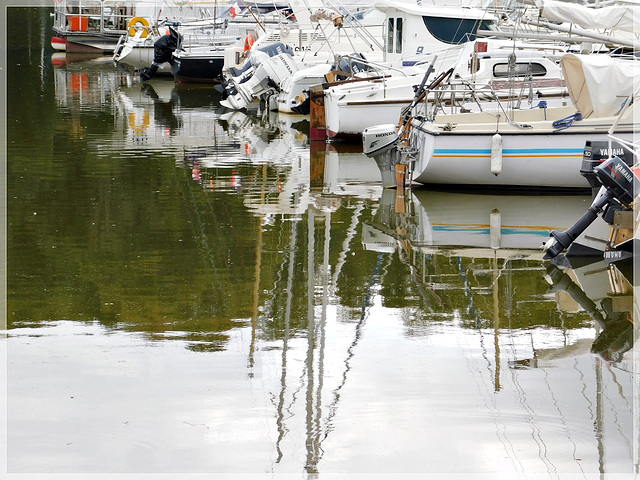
(162, 50)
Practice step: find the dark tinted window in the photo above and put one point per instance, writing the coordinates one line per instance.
(501, 70)
(399, 35)
(455, 30)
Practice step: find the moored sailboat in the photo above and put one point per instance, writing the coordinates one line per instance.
(533, 148)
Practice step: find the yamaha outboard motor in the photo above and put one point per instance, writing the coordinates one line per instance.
(596, 152)
(619, 183)
(162, 53)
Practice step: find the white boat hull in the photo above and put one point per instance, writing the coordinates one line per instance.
(139, 57)
(348, 120)
(527, 158)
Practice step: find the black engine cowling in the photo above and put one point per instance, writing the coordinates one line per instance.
(618, 187)
(596, 152)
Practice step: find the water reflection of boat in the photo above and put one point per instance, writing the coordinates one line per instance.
(85, 81)
(606, 294)
(153, 115)
(493, 240)
(502, 225)
(477, 269)
(259, 149)
(159, 114)
(347, 171)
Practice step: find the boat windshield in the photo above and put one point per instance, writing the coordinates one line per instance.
(456, 30)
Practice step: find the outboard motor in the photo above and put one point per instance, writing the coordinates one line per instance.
(596, 152)
(235, 76)
(381, 143)
(162, 53)
(269, 74)
(619, 183)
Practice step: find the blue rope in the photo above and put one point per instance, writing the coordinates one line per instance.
(543, 104)
(566, 122)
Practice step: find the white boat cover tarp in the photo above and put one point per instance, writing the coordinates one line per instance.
(599, 84)
(439, 9)
(617, 17)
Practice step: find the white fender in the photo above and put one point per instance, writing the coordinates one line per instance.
(496, 154)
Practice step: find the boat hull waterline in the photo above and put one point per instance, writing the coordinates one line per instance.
(532, 160)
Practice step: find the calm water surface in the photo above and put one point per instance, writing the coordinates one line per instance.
(193, 290)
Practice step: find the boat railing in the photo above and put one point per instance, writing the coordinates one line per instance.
(376, 71)
(376, 66)
(633, 146)
(93, 16)
(212, 34)
(461, 96)
(113, 16)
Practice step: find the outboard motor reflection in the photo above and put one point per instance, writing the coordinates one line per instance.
(162, 53)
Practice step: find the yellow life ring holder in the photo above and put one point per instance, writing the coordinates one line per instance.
(132, 26)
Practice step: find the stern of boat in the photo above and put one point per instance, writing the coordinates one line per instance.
(380, 142)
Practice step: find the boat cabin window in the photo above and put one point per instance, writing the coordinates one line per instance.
(524, 69)
(394, 35)
(455, 30)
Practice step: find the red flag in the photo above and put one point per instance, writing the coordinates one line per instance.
(234, 10)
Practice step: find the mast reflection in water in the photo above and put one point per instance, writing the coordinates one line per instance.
(192, 290)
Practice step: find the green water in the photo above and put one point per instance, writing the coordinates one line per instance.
(195, 291)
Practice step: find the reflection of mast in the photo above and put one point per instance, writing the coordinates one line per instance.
(358, 334)
(316, 335)
(495, 222)
(312, 454)
(256, 288)
(314, 410)
(496, 323)
(599, 415)
(285, 343)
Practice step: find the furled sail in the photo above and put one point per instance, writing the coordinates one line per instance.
(616, 17)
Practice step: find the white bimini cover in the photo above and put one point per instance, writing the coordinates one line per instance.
(599, 84)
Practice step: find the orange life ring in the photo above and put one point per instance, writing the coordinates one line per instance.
(132, 26)
(249, 40)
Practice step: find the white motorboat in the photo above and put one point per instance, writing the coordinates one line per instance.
(315, 41)
(200, 53)
(347, 108)
(98, 25)
(494, 68)
(533, 148)
(413, 33)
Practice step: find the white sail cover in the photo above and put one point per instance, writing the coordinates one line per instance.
(618, 17)
(599, 84)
